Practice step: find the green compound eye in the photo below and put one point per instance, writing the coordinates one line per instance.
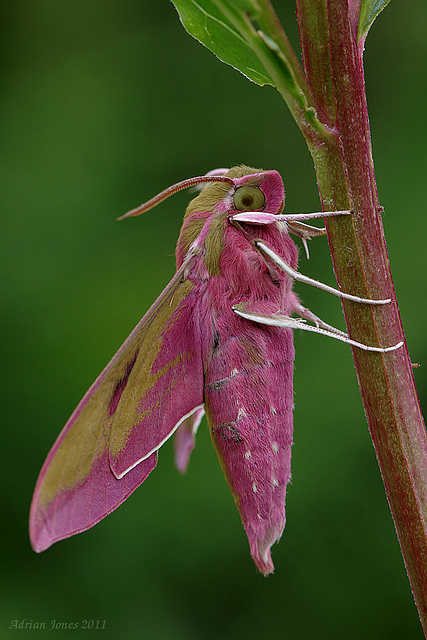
(249, 199)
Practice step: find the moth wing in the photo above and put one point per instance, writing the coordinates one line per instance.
(165, 386)
(185, 439)
(79, 483)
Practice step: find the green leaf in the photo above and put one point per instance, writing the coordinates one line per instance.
(220, 26)
(368, 12)
(249, 6)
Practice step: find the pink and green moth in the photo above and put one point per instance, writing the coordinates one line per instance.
(217, 341)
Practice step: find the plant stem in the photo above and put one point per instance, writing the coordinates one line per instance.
(346, 179)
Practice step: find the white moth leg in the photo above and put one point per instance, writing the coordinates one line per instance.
(305, 245)
(315, 283)
(318, 322)
(264, 217)
(291, 217)
(292, 221)
(305, 232)
(277, 320)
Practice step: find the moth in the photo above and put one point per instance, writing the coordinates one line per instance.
(217, 341)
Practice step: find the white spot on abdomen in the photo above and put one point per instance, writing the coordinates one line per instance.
(254, 489)
(275, 447)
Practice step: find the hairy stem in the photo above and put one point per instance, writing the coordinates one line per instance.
(346, 179)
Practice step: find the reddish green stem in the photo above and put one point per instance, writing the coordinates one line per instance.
(346, 179)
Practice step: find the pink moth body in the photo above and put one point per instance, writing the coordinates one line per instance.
(248, 368)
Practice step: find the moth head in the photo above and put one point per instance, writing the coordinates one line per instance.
(243, 189)
(258, 190)
(251, 190)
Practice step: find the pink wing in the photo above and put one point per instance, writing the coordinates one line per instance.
(185, 439)
(109, 445)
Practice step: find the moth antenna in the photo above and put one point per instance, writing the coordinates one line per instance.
(213, 172)
(184, 184)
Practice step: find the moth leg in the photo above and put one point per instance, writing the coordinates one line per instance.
(295, 217)
(318, 322)
(266, 251)
(278, 320)
(292, 221)
(263, 217)
(305, 232)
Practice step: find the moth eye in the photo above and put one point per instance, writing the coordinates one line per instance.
(249, 199)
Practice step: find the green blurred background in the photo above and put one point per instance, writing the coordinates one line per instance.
(104, 104)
